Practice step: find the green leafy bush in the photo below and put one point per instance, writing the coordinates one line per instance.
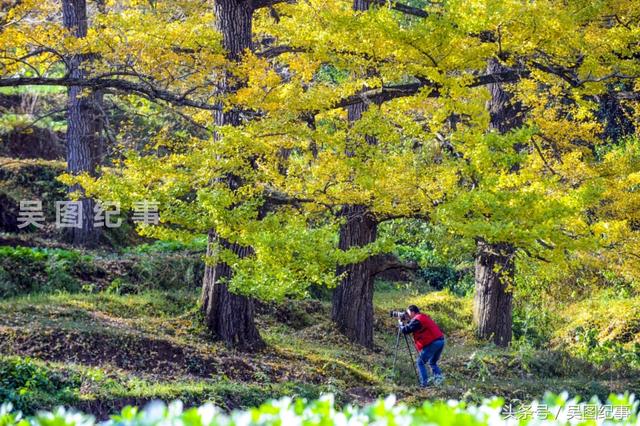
(197, 244)
(553, 409)
(606, 352)
(22, 382)
(26, 270)
(533, 325)
(166, 271)
(34, 179)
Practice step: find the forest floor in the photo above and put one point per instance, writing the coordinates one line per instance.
(102, 351)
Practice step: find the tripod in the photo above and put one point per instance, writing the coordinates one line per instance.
(395, 354)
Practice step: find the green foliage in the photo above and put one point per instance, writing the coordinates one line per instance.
(22, 382)
(34, 179)
(533, 326)
(163, 266)
(28, 270)
(160, 246)
(12, 122)
(602, 329)
(606, 352)
(10, 417)
(332, 75)
(422, 242)
(324, 411)
(164, 271)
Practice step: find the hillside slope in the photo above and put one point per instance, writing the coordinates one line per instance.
(101, 351)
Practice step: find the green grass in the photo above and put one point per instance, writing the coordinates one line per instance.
(44, 385)
(117, 349)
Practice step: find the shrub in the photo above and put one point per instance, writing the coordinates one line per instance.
(43, 270)
(606, 352)
(604, 330)
(22, 382)
(167, 271)
(197, 244)
(26, 270)
(533, 325)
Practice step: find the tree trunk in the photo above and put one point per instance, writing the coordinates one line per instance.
(615, 118)
(352, 308)
(492, 311)
(494, 263)
(80, 126)
(230, 316)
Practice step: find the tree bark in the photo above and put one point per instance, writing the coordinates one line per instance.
(81, 128)
(494, 263)
(492, 310)
(230, 317)
(615, 117)
(352, 309)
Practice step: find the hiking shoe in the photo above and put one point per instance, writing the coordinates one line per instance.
(437, 380)
(428, 384)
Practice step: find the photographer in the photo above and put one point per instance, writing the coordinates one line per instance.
(429, 342)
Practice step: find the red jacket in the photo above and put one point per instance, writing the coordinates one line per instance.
(427, 332)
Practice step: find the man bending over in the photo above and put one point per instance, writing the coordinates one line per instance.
(429, 342)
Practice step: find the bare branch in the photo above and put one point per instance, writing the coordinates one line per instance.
(387, 93)
(146, 90)
(404, 8)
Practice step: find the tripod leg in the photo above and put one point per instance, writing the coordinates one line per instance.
(415, 368)
(395, 354)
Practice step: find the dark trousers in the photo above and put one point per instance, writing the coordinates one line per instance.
(430, 354)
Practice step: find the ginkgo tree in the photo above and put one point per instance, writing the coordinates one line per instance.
(505, 32)
(298, 152)
(322, 119)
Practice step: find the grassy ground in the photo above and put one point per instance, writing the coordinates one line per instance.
(101, 351)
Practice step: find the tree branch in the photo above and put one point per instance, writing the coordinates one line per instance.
(385, 262)
(146, 90)
(404, 8)
(387, 93)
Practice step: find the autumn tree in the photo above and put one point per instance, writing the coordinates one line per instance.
(292, 78)
(352, 308)
(230, 316)
(83, 122)
(495, 261)
(496, 258)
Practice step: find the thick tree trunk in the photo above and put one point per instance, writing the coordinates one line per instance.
(230, 316)
(494, 264)
(80, 124)
(615, 117)
(352, 308)
(505, 114)
(492, 309)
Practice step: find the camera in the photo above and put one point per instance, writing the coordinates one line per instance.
(399, 314)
